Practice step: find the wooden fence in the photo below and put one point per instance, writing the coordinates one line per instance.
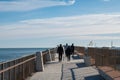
(80, 50)
(17, 69)
(105, 57)
(102, 56)
(21, 68)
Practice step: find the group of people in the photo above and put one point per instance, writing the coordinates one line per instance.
(67, 49)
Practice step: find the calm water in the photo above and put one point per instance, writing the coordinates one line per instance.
(12, 53)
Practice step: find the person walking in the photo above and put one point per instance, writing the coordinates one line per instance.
(68, 52)
(60, 52)
(72, 49)
(66, 46)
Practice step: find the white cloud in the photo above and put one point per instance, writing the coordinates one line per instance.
(65, 27)
(25, 5)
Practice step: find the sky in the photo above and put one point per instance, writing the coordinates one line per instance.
(47, 23)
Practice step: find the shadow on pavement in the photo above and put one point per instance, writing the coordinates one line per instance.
(95, 77)
(75, 57)
(80, 65)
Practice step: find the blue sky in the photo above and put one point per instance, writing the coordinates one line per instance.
(47, 23)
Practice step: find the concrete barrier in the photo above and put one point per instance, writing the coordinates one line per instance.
(87, 60)
(39, 62)
(49, 58)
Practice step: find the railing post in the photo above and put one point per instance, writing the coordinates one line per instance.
(2, 74)
(53, 53)
(39, 61)
(49, 58)
(87, 60)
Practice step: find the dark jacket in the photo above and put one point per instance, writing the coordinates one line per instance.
(60, 50)
(72, 49)
(68, 51)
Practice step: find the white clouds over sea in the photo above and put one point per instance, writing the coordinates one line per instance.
(75, 27)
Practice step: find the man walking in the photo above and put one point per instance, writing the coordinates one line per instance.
(60, 52)
(68, 52)
(72, 49)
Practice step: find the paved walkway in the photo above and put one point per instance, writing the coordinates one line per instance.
(67, 70)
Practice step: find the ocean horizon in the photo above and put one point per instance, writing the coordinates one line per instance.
(7, 54)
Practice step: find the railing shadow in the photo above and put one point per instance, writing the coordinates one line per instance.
(71, 70)
(95, 77)
(76, 57)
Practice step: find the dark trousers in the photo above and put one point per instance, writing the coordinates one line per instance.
(60, 57)
(68, 57)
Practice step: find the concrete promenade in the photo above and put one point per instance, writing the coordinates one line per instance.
(67, 70)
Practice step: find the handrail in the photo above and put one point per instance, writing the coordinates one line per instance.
(45, 52)
(16, 58)
(23, 66)
(26, 65)
(102, 56)
(11, 67)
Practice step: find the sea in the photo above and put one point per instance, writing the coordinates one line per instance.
(7, 54)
